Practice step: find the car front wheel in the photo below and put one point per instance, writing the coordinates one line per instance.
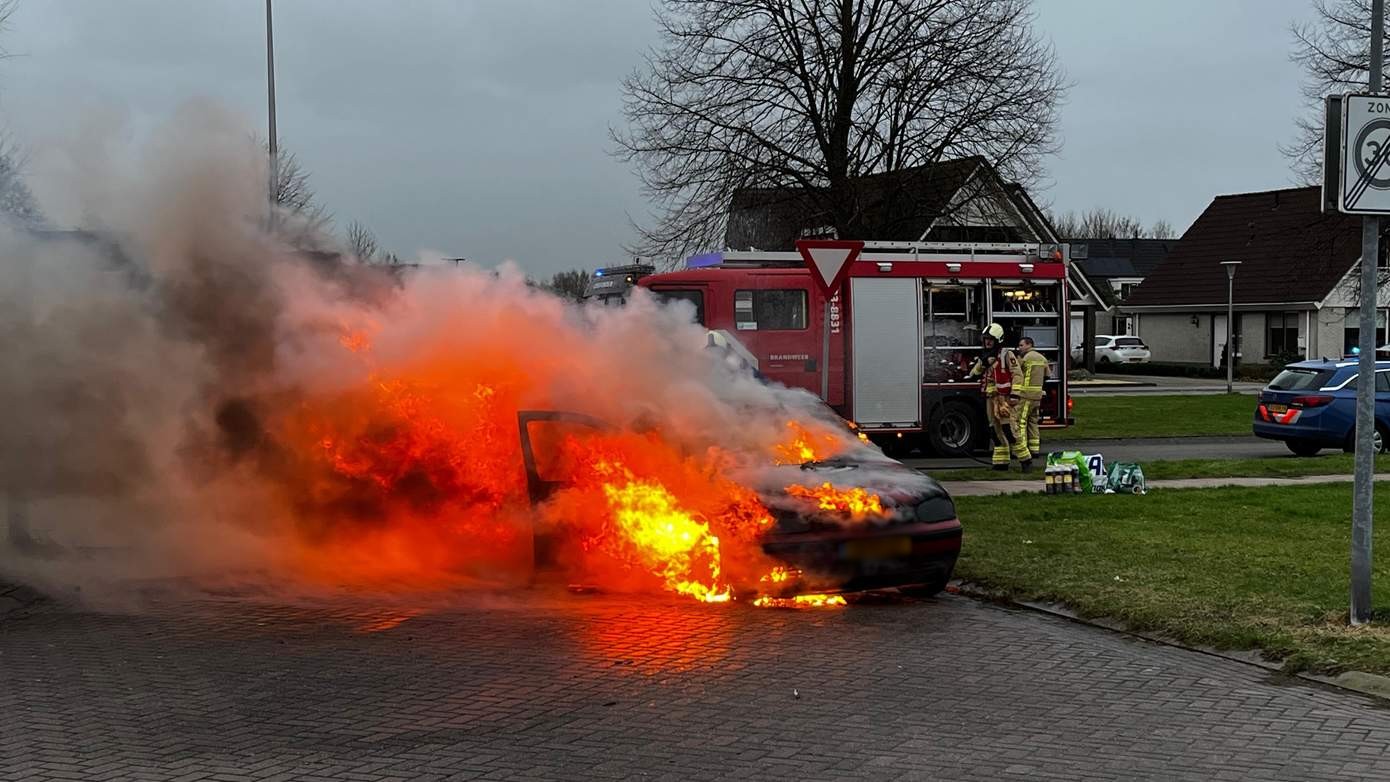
(924, 590)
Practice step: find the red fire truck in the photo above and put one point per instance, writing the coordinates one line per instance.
(903, 329)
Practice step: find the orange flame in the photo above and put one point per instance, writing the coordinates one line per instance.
(666, 539)
(855, 501)
(804, 446)
(416, 475)
(800, 601)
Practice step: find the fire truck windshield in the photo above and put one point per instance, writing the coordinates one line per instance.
(696, 299)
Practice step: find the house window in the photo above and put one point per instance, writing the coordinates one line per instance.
(1127, 288)
(1351, 330)
(1281, 333)
(770, 310)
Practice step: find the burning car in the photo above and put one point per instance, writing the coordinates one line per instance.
(862, 522)
(851, 522)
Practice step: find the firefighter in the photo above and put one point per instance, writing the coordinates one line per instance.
(1028, 394)
(997, 365)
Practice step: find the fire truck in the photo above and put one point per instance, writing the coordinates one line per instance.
(902, 330)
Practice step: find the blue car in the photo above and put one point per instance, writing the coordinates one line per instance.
(1311, 405)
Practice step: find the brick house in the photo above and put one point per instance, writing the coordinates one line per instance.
(1295, 289)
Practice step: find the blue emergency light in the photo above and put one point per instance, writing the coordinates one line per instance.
(703, 260)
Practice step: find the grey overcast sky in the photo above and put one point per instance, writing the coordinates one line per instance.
(479, 127)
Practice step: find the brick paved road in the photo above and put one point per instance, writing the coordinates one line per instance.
(602, 688)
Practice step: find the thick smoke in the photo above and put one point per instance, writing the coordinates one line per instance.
(189, 399)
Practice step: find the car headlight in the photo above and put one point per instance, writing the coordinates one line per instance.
(936, 509)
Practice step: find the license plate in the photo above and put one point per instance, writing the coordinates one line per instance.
(1277, 408)
(878, 548)
(1136, 361)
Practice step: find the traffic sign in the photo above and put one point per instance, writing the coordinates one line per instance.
(1364, 181)
(829, 261)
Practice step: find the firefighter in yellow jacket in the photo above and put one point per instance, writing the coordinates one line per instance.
(998, 367)
(1028, 394)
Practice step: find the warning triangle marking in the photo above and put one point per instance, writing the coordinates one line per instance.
(829, 260)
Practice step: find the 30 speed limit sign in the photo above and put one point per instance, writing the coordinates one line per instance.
(1363, 184)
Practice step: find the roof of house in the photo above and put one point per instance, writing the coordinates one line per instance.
(1108, 258)
(897, 206)
(1289, 252)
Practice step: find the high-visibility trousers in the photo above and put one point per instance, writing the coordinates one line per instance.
(1002, 432)
(1025, 425)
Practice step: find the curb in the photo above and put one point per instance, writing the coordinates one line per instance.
(1362, 683)
(988, 488)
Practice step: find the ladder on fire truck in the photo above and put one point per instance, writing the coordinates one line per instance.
(911, 251)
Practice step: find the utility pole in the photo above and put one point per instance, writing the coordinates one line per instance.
(274, 146)
(1362, 497)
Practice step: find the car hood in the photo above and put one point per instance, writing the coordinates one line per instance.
(906, 495)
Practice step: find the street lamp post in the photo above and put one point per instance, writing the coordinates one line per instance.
(273, 145)
(1230, 321)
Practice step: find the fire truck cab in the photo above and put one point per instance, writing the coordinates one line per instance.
(903, 330)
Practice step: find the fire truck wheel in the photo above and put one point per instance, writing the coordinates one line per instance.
(953, 429)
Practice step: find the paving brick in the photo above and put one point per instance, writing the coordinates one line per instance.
(541, 687)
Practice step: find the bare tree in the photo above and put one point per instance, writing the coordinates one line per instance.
(1162, 229)
(1334, 52)
(294, 194)
(570, 284)
(16, 200)
(815, 94)
(362, 242)
(1099, 223)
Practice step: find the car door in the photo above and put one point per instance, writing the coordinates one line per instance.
(1104, 349)
(1383, 398)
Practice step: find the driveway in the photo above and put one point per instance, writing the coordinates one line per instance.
(560, 687)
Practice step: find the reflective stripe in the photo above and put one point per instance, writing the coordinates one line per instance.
(1034, 372)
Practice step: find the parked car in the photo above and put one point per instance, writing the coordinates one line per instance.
(911, 543)
(1116, 349)
(1311, 405)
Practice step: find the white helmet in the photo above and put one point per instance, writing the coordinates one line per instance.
(995, 330)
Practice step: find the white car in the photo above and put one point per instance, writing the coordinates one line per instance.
(1114, 349)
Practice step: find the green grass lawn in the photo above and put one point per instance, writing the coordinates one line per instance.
(1159, 415)
(1234, 568)
(1329, 463)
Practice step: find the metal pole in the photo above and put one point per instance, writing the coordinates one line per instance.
(274, 145)
(825, 354)
(1230, 329)
(1362, 496)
